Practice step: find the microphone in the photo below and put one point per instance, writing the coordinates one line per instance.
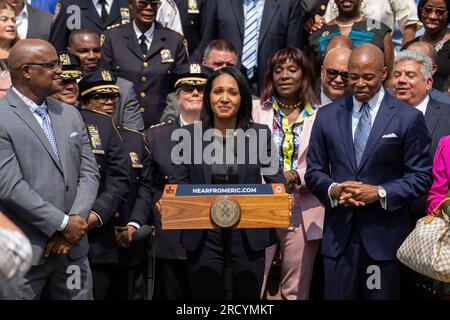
(143, 232)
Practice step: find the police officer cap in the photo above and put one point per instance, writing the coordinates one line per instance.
(191, 74)
(100, 81)
(70, 66)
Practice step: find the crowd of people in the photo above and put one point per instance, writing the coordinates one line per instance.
(351, 97)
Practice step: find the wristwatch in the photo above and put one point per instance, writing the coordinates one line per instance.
(381, 192)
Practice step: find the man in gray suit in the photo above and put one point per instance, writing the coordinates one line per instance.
(86, 44)
(48, 176)
(32, 22)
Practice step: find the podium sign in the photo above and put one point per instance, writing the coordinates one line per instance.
(188, 206)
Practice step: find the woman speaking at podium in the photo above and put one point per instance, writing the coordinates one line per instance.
(227, 107)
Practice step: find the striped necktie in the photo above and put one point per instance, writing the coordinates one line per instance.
(249, 57)
(47, 127)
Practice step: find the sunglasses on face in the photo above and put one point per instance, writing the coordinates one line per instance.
(428, 10)
(104, 98)
(190, 89)
(142, 4)
(333, 73)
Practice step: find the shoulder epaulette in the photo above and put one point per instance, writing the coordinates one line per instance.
(117, 25)
(161, 124)
(134, 130)
(95, 111)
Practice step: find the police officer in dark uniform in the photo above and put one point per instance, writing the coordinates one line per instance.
(95, 15)
(98, 97)
(145, 53)
(171, 280)
(127, 282)
(71, 72)
(191, 21)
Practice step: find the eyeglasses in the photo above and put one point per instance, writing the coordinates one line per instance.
(333, 73)
(428, 10)
(104, 98)
(142, 4)
(52, 65)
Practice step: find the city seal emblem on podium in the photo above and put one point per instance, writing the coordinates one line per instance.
(225, 212)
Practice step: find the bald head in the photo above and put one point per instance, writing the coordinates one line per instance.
(28, 51)
(35, 69)
(368, 53)
(342, 55)
(425, 48)
(339, 41)
(366, 71)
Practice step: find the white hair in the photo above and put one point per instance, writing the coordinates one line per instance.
(418, 57)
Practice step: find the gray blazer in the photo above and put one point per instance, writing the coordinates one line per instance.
(128, 114)
(37, 190)
(39, 23)
(172, 110)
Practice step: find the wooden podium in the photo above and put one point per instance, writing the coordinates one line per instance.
(225, 206)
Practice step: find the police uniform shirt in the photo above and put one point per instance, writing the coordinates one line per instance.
(148, 34)
(151, 74)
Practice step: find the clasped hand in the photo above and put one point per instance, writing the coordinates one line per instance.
(354, 193)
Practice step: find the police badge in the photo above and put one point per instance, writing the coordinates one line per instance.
(65, 59)
(166, 56)
(135, 162)
(106, 75)
(193, 7)
(195, 68)
(125, 15)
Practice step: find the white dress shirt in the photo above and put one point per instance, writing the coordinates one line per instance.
(374, 105)
(422, 107)
(33, 106)
(98, 6)
(22, 23)
(148, 34)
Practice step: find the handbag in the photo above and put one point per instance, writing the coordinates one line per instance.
(427, 248)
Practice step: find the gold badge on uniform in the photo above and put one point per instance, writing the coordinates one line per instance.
(106, 75)
(96, 142)
(325, 33)
(193, 7)
(195, 68)
(166, 56)
(135, 162)
(102, 40)
(125, 15)
(65, 59)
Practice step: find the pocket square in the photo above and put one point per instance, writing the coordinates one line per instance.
(73, 134)
(390, 135)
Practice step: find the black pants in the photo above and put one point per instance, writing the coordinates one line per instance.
(171, 280)
(205, 268)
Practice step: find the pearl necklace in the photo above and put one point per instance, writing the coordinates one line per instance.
(348, 25)
(289, 106)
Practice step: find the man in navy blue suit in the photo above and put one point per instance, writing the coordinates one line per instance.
(365, 168)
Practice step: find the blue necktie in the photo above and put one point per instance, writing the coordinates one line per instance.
(47, 127)
(362, 132)
(249, 57)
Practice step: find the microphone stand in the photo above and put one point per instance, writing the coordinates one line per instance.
(227, 257)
